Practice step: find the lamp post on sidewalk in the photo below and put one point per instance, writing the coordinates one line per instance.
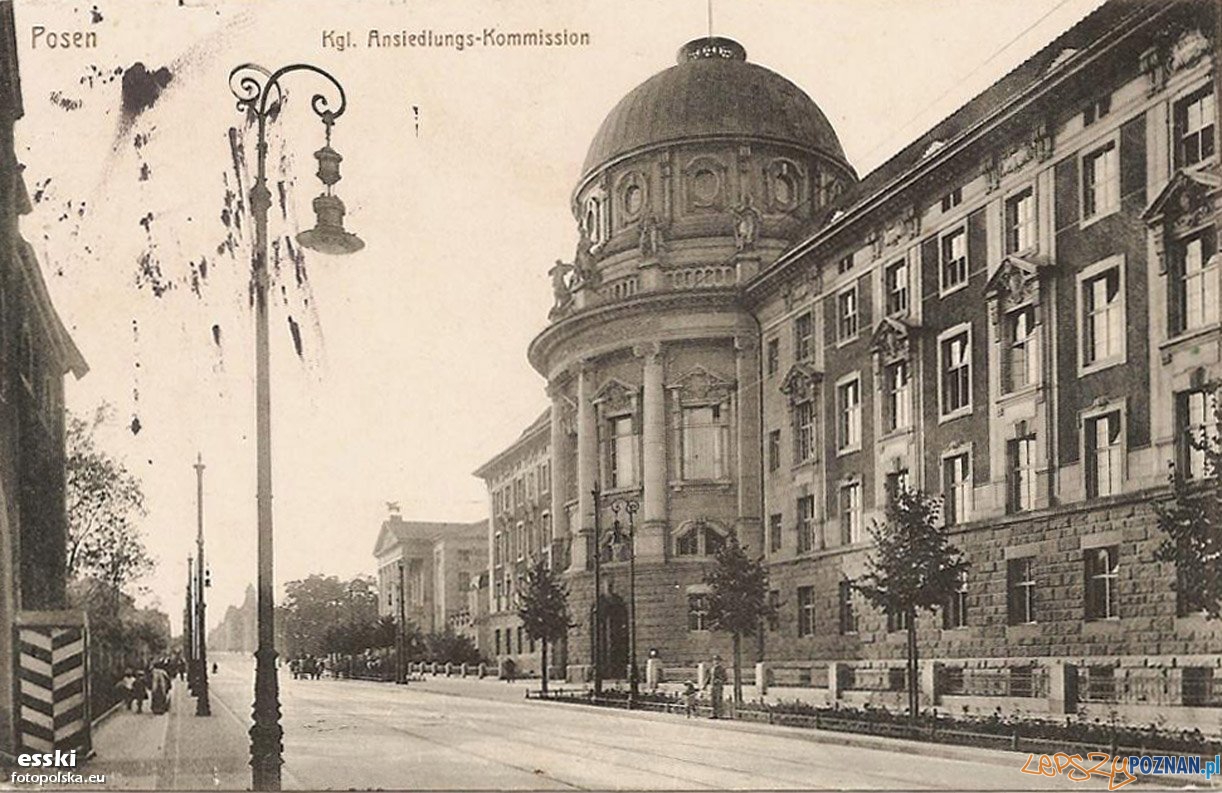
(596, 630)
(203, 706)
(618, 536)
(188, 626)
(259, 95)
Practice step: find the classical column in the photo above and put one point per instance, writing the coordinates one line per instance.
(651, 534)
(559, 460)
(749, 443)
(587, 465)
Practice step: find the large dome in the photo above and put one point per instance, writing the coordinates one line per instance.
(712, 92)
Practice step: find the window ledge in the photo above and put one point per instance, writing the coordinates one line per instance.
(1031, 389)
(1101, 625)
(1093, 219)
(1186, 337)
(947, 291)
(848, 450)
(896, 433)
(847, 340)
(957, 414)
(701, 484)
(1099, 366)
(620, 491)
(804, 464)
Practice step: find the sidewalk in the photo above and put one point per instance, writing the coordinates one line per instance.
(140, 751)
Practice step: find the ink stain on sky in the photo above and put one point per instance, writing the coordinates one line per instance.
(141, 88)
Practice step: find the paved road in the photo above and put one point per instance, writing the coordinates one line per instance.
(453, 734)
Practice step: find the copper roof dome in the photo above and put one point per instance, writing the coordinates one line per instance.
(713, 92)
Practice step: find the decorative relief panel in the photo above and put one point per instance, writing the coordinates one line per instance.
(700, 386)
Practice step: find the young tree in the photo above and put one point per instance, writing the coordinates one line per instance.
(105, 504)
(1192, 522)
(543, 608)
(738, 600)
(913, 567)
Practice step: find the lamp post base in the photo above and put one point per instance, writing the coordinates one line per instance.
(266, 745)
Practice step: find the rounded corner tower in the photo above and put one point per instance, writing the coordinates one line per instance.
(696, 180)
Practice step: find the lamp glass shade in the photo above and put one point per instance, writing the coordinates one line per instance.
(328, 234)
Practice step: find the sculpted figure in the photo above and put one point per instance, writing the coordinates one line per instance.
(746, 226)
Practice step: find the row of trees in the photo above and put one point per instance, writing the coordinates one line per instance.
(324, 614)
(106, 558)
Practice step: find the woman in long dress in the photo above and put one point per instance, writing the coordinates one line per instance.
(161, 690)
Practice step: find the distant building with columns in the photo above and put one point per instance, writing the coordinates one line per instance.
(1017, 313)
(430, 566)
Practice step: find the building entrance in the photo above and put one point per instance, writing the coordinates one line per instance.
(614, 636)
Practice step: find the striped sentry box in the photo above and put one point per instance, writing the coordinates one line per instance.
(53, 682)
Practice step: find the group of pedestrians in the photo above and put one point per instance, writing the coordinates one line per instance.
(153, 683)
(310, 668)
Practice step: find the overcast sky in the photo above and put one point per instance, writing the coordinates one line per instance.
(457, 173)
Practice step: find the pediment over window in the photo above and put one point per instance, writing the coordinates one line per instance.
(892, 339)
(800, 381)
(1188, 200)
(701, 385)
(615, 395)
(1016, 281)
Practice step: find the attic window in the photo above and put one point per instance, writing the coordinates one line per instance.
(1063, 56)
(1097, 110)
(933, 148)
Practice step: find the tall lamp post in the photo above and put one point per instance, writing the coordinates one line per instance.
(597, 631)
(188, 626)
(618, 536)
(259, 95)
(203, 707)
(400, 630)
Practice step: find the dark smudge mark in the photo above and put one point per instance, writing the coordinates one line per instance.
(135, 425)
(40, 190)
(66, 103)
(296, 333)
(216, 335)
(145, 172)
(280, 188)
(95, 16)
(141, 88)
(147, 223)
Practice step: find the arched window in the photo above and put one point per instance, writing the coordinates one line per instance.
(700, 538)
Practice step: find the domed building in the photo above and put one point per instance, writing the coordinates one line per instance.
(695, 181)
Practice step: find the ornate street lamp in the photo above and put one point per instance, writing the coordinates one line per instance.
(618, 536)
(597, 629)
(203, 706)
(259, 94)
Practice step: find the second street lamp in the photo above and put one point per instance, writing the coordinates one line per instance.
(259, 95)
(203, 706)
(618, 535)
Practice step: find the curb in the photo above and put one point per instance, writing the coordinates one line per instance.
(95, 723)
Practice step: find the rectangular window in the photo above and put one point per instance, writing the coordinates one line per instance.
(897, 621)
(1197, 273)
(1020, 221)
(774, 532)
(895, 282)
(1097, 110)
(848, 608)
(1100, 181)
(697, 612)
(545, 478)
(498, 641)
(954, 259)
(956, 380)
(956, 489)
(952, 199)
(774, 356)
(621, 460)
(848, 411)
(806, 525)
(1102, 318)
(804, 431)
(1020, 590)
(774, 604)
(897, 482)
(955, 613)
(1104, 454)
(802, 335)
(1196, 429)
(774, 450)
(704, 443)
(897, 404)
(1195, 121)
(845, 264)
(1020, 474)
(846, 314)
(1020, 358)
(1102, 575)
(806, 611)
(850, 513)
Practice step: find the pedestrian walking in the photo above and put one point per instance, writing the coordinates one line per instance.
(717, 683)
(160, 687)
(124, 687)
(689, 698)
(140, 690)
